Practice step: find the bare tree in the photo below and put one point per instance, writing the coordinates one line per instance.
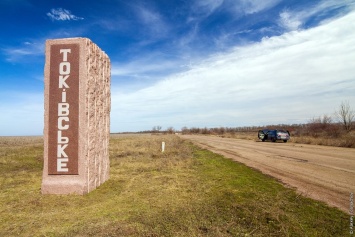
(327, 119)
(156, 129)
(345, 115)
(323, 124)
(170, 130)
(185, 130)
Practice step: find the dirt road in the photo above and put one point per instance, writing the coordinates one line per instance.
(320, 172)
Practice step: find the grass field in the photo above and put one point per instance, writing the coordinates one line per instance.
(185, 191)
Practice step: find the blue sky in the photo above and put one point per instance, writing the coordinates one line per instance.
(191, 63)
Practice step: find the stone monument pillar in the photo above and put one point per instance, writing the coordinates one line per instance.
(77, 102)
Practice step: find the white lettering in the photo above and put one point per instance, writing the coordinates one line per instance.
(60, 123)
(63, 109)
(64, 96)
(60, 151)
(62, 165)
(65, 54)
(63, 113)
(62, 82)
(61, 139)
(66, 66)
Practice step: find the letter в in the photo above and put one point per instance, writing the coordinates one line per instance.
(63, 109)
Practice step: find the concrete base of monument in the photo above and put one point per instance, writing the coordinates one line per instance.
(64, 185)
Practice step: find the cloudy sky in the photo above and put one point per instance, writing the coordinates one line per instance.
(194, 63)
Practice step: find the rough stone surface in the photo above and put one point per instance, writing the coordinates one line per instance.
(94, 121)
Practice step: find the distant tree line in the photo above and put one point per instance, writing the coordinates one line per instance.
(332, 126)
(343, 121)
(158, 130)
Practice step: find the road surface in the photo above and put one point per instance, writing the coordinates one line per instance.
(320, 172)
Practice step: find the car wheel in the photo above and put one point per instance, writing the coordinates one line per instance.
(273, 140)
(285, 140)
(263, 140)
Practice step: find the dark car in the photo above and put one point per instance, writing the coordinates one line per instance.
(274, 135)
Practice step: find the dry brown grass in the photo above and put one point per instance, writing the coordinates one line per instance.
(345, 140)
(184, 191)
(20, 141)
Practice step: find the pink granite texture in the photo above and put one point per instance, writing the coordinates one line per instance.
(94, 121)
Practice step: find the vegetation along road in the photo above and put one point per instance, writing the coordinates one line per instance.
(320, 172)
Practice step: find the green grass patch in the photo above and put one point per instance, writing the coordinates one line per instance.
(185, 191)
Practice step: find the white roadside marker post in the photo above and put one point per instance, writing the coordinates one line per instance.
(162, 146)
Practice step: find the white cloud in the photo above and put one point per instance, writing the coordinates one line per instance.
(153, 22)
(146, 70)
(289, 22)
(293, 20)
(148, 16)
(140, 68)
(60, 14)
(254, 6)
(158, 63)
(13, 54)
(36, 46)
(207, 7)
(285, 79)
